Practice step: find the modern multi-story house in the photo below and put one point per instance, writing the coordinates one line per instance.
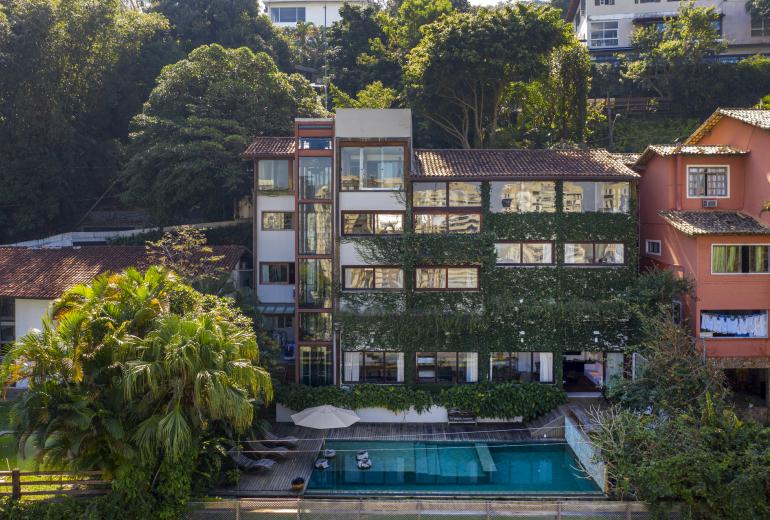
(702, 213)
(321, 13)
(380, 263)
(605, 26)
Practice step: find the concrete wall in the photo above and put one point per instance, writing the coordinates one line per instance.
(274, 246)
(365, 201)
(585, 452)
(358, 123)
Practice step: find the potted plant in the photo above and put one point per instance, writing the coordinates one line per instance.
(298, 484)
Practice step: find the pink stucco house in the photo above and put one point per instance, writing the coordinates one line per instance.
(701, 215)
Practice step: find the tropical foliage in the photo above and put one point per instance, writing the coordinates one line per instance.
(136, 374)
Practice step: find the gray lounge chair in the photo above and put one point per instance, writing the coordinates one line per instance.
(290, 442)
(247, 464)
(257, 449)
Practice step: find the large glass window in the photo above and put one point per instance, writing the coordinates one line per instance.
(315, 326)
(315, 143)
(522, 197)
(759, 26)
(372, 168)
(525, 367)
(276, 273)
(315, 365)
(523, 253)
(594, 254)
(315, 283)
(604, 34)
(459, 223)
(277, 220)
(604, 197)
(373, 278)
(315, 232)
(437, 278)
(447, 367)
(287, 14)
(7, 323)
(273, 175)
(446, 194)
(739, 258)
(733, 324)
(707, 181)
(373, 367)
(315, 175)
(372, 223)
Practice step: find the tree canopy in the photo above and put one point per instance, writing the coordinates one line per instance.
(186, 143)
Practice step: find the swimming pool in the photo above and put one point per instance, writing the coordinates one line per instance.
(403, 467)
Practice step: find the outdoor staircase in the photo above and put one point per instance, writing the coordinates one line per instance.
(548, 426)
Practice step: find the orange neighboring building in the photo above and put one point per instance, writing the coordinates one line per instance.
(701, 214)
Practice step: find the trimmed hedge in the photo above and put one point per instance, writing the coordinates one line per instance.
(485, 400)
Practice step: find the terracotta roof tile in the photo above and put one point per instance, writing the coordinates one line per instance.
(270, 146)
(626, 158)
(668, 150)
(519, 163)
(751, 116)
(45, 273)
(714, 223)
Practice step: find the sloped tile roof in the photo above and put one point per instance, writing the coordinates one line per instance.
(519, 163)
(626, 158)
(714, 223)
(668, 150)
(45, 273)
(751, 116)
(270, 146)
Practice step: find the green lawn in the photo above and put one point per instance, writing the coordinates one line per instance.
(9, 457)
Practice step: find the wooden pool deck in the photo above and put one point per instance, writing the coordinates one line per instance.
(277, 481)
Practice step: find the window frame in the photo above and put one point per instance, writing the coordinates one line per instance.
(447, 198)
(598, 190)
(287, 191)
(374, 278)
(594, 263)
(493, 203)
(509, 366)
(714, 311)
(446, 278)
(456, 370)
(447, 212)
(759, 24)
(290, 270)
(647, 243)
(262, 220)
(727, 184)
(741, 245)
(363, 367)
(348, 143)
(592, 41)
(373, 214)
(277, 10)
(521, 251)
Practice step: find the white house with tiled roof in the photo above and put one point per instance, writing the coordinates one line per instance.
(321, 13)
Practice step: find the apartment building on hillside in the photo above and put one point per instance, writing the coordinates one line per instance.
(703, 215)
(380, 263)
(605, 26)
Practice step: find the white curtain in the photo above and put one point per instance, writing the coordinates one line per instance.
(472, 367)
(352, 366)
(400, 367)
(546, 367)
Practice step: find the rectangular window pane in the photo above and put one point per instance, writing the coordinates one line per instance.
(7, 308)
(609, 253)
(351, 366)
(447, 367)
(359, 278)
(358, 223)
(372, 168)
(277, 273)
(523, 197)
(430, 278)
(508, 253)
(315, 178)
(500, 364)
(429, 194)
(462, 277)
(426, 367)
(315, 231)
(277, 220)
(464, 223)
(733, 324)
(522, 365)
(315, 283)
(605, 197)
(300, 14)
(464, 194)
(707, 181)
(388, 278)
(374, 365)
(315, 143)
(757, 259)
(273, 175)
(536, 253)
(394, 367)
(315, 365)
(726, 259)
(388, 223)
(315, 326)
(578, 253)
(430, 223)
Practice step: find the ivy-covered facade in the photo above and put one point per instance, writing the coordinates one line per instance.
(465, 266)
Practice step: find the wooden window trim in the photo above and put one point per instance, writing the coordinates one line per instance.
(446, 278)
(727, 180)
(373, 143)
(435, 380)
(446, 212)
(521, 250)
(289, 267)
(269, 193)
(363, 367)
(447, 206)
(373, 214)
(263, 228)
(594, 263)
(373, 267)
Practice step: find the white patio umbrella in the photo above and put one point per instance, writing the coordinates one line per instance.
(325, 418)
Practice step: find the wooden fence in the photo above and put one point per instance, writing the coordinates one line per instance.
(17, 484)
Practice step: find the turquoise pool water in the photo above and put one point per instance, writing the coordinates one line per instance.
(452, 468)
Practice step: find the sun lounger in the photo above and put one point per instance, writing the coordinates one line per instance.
(273, 439)
(247, 464)
(256, 449)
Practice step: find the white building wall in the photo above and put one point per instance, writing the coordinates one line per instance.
(368, 123)
(319, 12)
(30, 314)
(366, 201)
(274, 246)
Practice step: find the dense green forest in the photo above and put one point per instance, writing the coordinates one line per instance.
(150, 109)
